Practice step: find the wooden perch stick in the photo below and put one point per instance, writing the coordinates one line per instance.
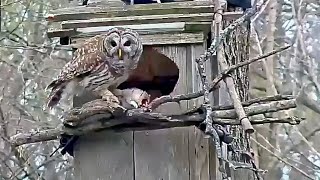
(290, 120)
(248, 128)
(129, 120)
(257, 109)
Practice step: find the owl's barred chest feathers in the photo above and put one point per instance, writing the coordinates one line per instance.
(102, 77)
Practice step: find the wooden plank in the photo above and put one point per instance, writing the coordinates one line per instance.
(116, 21)
(83, 12)
(160, 39)
(61, 32)
(178, 54)
(163, 154)
(229, 16)
(142, 29)
(197, 26)
(215, 174)
(103, 155)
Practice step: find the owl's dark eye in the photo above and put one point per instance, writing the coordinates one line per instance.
(127, 43)
(113, 43)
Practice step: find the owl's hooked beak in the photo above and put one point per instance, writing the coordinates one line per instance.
(120, 55)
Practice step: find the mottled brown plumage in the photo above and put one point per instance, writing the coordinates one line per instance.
(102, 63)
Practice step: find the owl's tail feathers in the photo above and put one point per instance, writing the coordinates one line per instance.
(53, 84)
(56, 93)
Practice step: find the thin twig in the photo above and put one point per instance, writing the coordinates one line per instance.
(284, 161)
(258, 100)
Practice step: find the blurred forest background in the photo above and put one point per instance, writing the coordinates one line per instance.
(29, 60)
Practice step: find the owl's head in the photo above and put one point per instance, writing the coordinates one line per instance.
(123, 47)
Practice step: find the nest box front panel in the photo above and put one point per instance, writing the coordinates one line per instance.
(176, 66)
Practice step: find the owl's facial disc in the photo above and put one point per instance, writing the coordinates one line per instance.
(123, 48)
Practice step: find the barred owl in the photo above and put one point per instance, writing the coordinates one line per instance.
(102, 63)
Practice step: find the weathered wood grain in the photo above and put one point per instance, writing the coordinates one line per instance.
(83, 12)
(143, 30)
(119, 21)
(103, 11)
(163, 154)
(103, 155)
(158, 39)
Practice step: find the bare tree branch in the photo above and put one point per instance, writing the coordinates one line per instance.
(96, 116)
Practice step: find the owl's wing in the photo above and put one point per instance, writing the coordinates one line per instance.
(77, 68)
(84, 60)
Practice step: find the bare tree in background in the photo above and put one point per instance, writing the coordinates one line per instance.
(28, 60)
(287, 151)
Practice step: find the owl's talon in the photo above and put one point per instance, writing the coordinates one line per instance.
(110, 97)
(134, 104)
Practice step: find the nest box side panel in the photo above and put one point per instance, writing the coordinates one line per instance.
(177, 54)
(163, 154)
(198, 145)
(220, 97)
(103, 155)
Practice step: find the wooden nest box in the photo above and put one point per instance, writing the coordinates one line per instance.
(176, 32)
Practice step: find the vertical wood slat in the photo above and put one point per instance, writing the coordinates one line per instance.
(103, 155)
(163, 154)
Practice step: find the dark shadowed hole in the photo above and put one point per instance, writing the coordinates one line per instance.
(156, 74)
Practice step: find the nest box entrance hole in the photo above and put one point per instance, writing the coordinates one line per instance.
(156, 74)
